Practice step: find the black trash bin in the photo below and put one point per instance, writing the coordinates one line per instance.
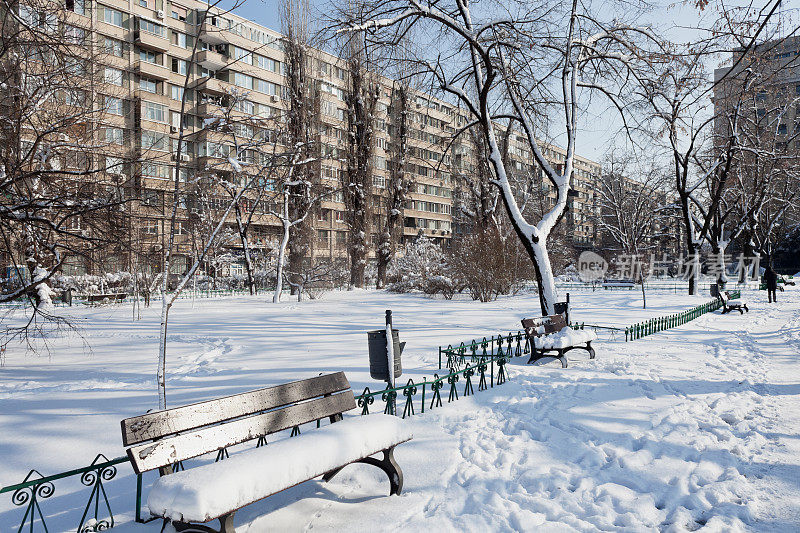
(714, 290)
(379, 359)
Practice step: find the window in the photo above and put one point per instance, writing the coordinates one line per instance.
(148, 85)
(179, 65)
(781, 129)
(114, 165)
(154, 112)
(142, 3)
(176, 92)
(113, 76)
(266, 87)
(150, 227)
(152, 170)
(76, 6)
(152, 140)
(322, 235)
(245, 106)
(181, 39)
(179, 13)
(242, 80)
(74, 97)
(379, 182)
(114, 106)
(151, 27)
(112, 46)
(268, 64)
(114, 136)
(73, 34)
(240, 54)
(113, 17)
(149, 57)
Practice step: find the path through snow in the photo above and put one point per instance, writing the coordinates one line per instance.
(695, 428)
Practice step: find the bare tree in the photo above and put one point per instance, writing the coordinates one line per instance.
(62, 198)
(518, 61)
(760, 206)
(312, 196)
(675, 88)
(302, 120)
(361, 99)
(400, 180)
(632, 211)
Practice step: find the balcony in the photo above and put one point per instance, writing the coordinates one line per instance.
(153, 42)
(152, 97)
(211, 86)
(212, 34)
(151, 70)
(206, 109)
(211, 60)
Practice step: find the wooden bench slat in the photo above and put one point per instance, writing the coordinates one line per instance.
(167, 451)
(168, 422)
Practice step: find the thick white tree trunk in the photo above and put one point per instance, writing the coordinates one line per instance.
(287, 226)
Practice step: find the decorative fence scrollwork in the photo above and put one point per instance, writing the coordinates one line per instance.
(97, 514)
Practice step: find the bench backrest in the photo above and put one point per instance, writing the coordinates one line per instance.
(165, 437)
(536, 327)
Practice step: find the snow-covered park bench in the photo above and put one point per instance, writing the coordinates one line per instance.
(550, 336)
(109, 297)
(729, 304)
(187, 498)
(612, 284)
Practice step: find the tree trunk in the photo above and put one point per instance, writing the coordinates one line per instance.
(279, 270)
(248, 261)
(162, 349)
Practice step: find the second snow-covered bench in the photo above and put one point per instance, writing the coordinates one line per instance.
(188, 498)
(729, 304)
(549, 336)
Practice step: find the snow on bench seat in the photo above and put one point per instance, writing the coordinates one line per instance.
(206, 492)
(564, 338)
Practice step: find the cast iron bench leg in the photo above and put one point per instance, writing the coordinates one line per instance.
(387, 464)
(225, 526)
(588, 348)
(536, 355)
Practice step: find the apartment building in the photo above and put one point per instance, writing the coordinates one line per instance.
(172, 66)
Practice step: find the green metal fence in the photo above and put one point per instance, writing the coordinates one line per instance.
(654, 325)
(500, 345)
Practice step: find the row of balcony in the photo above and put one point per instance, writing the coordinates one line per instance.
(207, 59)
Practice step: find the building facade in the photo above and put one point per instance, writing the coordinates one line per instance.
(163, 68)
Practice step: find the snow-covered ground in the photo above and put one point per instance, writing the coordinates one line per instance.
(693, 428)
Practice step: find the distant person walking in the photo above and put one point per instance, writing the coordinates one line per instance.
(771, 279)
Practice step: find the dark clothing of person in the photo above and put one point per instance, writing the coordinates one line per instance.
(771, 279)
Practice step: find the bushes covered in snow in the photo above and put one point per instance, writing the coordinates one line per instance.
(489, 264)
(485, 264)
(422, 267)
